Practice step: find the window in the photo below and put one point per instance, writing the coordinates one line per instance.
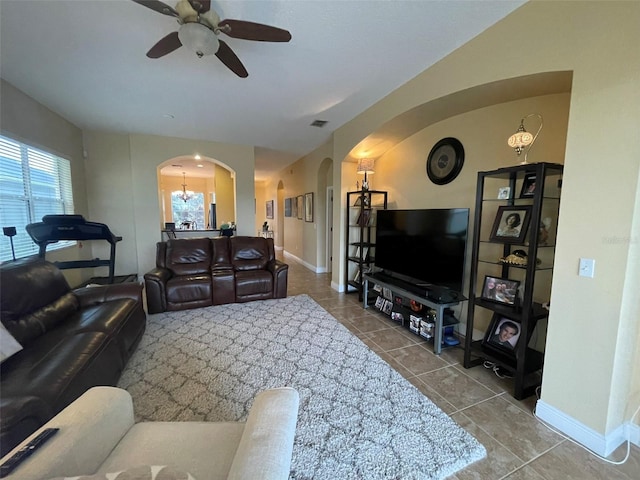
(190, 212)
(33, 184)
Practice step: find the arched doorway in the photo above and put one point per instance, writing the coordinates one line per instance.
(196, 193)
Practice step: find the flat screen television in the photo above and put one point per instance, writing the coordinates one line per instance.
(425, 247)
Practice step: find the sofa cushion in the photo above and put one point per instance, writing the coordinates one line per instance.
(33, 324)
(254, 283)
(144, 472)
(35, 298)
(249, 253)
(189, 256)
(205, 449)
(189, 288)
(59, 367)
(123, 319)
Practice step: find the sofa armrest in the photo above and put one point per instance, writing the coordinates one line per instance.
(155, 282)
(266, 445)
(90, 428)
(105, 293)
(280, 271)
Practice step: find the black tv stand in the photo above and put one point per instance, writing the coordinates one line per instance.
(408, 290)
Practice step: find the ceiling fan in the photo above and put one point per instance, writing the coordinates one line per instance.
(200, 27)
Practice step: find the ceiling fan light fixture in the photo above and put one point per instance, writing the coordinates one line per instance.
(198, 38)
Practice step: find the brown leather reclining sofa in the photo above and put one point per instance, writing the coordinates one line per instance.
(71, 340)
(199, 272)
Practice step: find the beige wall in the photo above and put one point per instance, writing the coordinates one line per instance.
(305, 241)
(136, 207)
(225, 188)
(587, 353)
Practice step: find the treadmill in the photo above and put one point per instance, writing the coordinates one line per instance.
(54, 228)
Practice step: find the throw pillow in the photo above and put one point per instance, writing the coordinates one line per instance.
(144, 472)
(8, 345)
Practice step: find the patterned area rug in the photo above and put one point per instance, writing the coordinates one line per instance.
(359, 418)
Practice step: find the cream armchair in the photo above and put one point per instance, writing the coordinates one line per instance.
(98, 435)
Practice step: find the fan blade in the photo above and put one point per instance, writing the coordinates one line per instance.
(200, 6)
(158, 6)
(166, 45)
(254, 31)
(230, 59)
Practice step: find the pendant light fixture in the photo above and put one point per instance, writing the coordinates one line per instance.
(184, 195)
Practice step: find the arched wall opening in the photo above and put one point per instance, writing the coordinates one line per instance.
(396, 163)
(196, 194)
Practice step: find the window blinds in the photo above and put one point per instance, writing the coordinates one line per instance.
(33, 183)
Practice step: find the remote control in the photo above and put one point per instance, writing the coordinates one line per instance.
(17, 458)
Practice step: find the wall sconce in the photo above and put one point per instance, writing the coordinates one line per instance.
(523, 139)
(365, 166)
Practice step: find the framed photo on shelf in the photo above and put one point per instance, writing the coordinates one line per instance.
(308, 207)
(528, 186)
(269, 208)
(503, 193)
(364, 218)
(500, 290)
(503, 334)
(510, 225)
(287, 207)
(300, 206)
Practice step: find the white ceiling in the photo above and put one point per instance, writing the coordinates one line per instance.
(85, 60)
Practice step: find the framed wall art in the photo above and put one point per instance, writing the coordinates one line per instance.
(269, 208)
(300, 206)
(287, 207)
(308, 207)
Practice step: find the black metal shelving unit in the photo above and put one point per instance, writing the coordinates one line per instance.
(360, 236)
(525, 360)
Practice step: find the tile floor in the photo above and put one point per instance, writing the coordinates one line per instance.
(518, 446)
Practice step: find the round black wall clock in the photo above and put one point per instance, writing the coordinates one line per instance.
(445, 161)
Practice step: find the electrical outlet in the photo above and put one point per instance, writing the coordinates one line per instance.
(587, 267)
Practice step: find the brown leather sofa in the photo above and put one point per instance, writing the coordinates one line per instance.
(199, 272)
(71, 340)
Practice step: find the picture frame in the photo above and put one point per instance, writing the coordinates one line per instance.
(500, 290)
(504, 193)
(294, 207)
(308, 207)
(300, 206)
(528, 186)
(510, 225)
(364, 218)
(269, 208)
(503, 334)
(287, 207)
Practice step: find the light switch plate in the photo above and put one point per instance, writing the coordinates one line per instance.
(587, 267)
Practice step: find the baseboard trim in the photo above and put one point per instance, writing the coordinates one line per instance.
(601, 444)
(313, 268)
